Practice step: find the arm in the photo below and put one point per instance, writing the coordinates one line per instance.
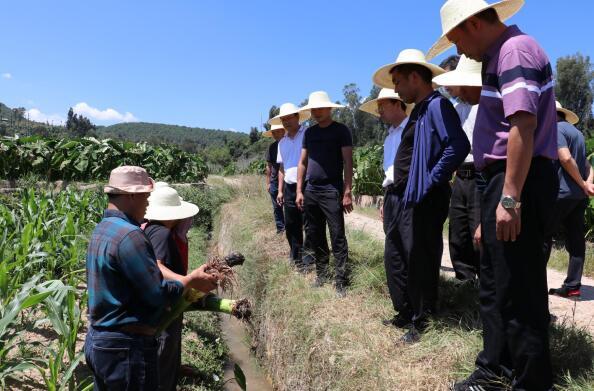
(301, 170)
(281, 180)
(347, 198)
(268, 171)
(568, 163)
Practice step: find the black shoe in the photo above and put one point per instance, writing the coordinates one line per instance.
(565, 292)
(476, 382)
(399, 321)
(411, 336)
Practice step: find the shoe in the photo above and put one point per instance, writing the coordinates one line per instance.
(411, 336)
(565, 292)
(398, 321)
(341, 291)
(476, 382)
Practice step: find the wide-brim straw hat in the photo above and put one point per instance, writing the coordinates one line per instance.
(466, 74)
(383, 78)
(165, 204)
(320, 100)
(129, 180)
(385, 93)
(268, 133)
(570, 116)
(288, 109)
(454, 12)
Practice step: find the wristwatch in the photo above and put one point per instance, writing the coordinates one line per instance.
(508, 202)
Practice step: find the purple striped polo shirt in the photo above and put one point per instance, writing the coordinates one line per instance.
(517, 76)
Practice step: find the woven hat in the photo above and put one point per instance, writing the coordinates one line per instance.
(268, 133)
(385, 93)
(467, 73)
(165, 204)
(129, 180)
(570, 116)
(454, 12)
(319, 100)
(383, 78)
(288, 109)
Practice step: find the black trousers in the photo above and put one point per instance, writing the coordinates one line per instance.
(170, 355)
(323, 207)
(513, 284)
(570, 214)
(293, 222)
(413, 250)
(464, 218)
(279, 219)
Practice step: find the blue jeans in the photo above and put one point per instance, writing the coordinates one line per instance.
(121, 361)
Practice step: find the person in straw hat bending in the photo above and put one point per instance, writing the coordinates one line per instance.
(272, 168)
(575, 185)
(416, 205)
(289, 153)
(464, 83)
(169, 220)
(127, 293)
(326, 155)
(515, 143)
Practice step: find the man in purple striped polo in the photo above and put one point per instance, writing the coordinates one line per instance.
(514, 147)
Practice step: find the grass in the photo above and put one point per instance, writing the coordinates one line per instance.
(309, 339)
(560, 259)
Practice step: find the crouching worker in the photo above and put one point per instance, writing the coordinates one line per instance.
(127, 293)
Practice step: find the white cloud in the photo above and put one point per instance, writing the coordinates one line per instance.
(7, 75)
(108, 115)
(38, 116)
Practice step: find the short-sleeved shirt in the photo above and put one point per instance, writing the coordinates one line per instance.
(517, 76)
(271, 156)
(391, 144)
(289, 154)
(165, 246)
(403, 157)
(324, 151)
(570, 137)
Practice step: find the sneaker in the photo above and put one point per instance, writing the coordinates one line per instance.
(475, 382)
(565, 292)
(399, 321)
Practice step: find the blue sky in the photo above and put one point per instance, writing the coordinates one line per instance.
(223, 63)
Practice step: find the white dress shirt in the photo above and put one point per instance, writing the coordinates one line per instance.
(391, 145)
(289, 154)
(467, 115)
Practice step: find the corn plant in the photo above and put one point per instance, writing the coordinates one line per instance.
(368, 172)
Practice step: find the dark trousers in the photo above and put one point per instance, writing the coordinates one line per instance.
(513, 284)
(321, 207)
(170, 355)
(279, 218)
(570, 214)
(121, 361)
(293, 222)
(413, 250)
(464, 218)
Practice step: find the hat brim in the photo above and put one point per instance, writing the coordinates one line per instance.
(570, 116)
(328, 105)
(167, 213)
(370, 107)
(505, 9)
(458, 79)
(383, 78)
(303, 116)
(135, 189)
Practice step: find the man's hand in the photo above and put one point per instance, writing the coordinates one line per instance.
(268, 187)
(381, 209)
(202, 281)
(279, 198)
(347, 202)
(508, 223)
(299, 200)
(588, 188)
(477, 236)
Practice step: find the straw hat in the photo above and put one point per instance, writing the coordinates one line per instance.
(385, 93)
(454, 12)
(268, 133)
(570, 116)
(288, 109)
(319, 100)
(165, 204)
(129, 180)
(383, 78)
(467, 73)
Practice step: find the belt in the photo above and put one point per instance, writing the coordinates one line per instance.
(139, 329)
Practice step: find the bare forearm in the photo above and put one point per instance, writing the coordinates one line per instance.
(300, 175)
(168, 274)
(590, 173)
(281, 178)
(520, 147)
(348, 176)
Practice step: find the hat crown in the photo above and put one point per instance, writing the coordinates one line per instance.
(411, 55)
(318, 97)
(276, 127)
(164, 196)
(128, 175)
(454, 12)
(468, 65)
(287, 109)
(388, 93)
(558, 105)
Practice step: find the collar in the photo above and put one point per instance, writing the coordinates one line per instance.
(422, 105)
(399, 127)
(118, 213)
(300, 130)
(510, 31)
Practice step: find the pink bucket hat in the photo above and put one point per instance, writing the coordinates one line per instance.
(128, 180)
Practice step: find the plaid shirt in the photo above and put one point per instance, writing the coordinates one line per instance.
(124, 282)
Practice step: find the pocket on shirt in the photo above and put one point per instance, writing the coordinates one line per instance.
(111, 363)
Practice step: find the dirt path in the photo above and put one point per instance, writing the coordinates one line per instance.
(581, 312)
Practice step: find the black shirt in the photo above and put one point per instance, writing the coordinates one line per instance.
(324, 152)
(404, 153)
(165, 247)
(271, 153)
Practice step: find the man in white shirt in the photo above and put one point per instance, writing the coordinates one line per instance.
(463, 81)
(289, 153)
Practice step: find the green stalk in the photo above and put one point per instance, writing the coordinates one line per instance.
(189, 297)
(214, 303)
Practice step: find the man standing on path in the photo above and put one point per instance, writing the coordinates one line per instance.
(289, 153)
(575, 185)
(515, 143)
(126, 291)
(326, 155)
(272, 167)
(464, 83)
(394, 112)
(416, 205)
